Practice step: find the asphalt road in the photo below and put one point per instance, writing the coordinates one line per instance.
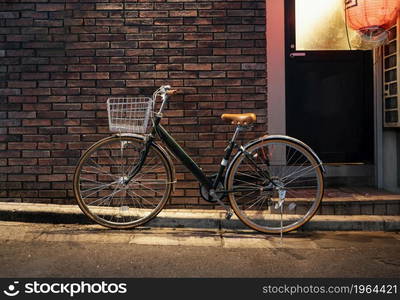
(47, 250)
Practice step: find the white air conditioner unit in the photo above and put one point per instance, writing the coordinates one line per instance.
(391, 78)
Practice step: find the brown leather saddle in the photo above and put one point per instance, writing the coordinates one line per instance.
(240, 119)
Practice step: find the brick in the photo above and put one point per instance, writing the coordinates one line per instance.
(9, 15)
(10, 170)
(226, 51)
(183, 74)
(22, 114)
(198, 51)
(110, 83)
(52, 178)
(52, 161)
(81, 83)
(240, 28)
(110, 52)
(88, 45)
(153, 14)
(183, 13)
(52, 83)
(66, 91)
(22, 130)
(52, 193)
(22, 161)
(198, 36)
(79, 114)
(111, 68)
(82, 68)
(37, 169)
(109, 22)
(227, 82)
(197, 67)
(109, 6)
(124, 75)
(51, 114)
(21, 84)
(51, 146)
(124, 44)
(21, 178)
(253, 66)
(36, 138)
(36, 122)
(142, 52)
(153, 44)
(182, 44)
(52, 99)
(182, 28)
(140, 6)
(168, 36)
(6, 92)
(212, 74)
(139, 21)
(52, 130)
(36, 92)
(95, 91)
(197, 21)
(35, 76)
(168, 21)
(50, 7)
(223, 67)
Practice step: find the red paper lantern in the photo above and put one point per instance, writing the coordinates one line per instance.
(371, 15)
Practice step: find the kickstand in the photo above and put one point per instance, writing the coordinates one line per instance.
(281, 226)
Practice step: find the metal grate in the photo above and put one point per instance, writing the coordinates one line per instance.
(391, 65)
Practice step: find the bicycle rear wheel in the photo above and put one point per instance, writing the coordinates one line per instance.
(103, 195)
(277, 187)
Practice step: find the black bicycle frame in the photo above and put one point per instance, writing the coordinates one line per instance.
(186, 160)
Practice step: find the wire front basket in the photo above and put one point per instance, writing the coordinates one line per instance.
(129, 114)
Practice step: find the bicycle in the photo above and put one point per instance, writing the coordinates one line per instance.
(274, 183)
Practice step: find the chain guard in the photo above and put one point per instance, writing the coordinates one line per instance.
(205, 194)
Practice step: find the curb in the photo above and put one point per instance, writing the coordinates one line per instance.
(197, 219)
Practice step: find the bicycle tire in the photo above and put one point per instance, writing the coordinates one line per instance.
(298, 207)
(136, 208)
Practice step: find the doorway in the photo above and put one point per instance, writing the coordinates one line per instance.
(329, 99)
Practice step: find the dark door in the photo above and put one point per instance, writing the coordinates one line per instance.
(329, 99)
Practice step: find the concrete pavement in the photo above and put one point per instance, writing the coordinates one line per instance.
(75, 250)
(221, 238)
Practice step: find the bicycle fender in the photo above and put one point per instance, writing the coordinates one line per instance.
(270, 137)
(293, 140)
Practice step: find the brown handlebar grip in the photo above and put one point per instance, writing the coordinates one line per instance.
(171, 92)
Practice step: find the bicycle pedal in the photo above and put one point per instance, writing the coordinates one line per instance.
(228, 215)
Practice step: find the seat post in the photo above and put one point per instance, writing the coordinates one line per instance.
(236, 133)
(224, 163)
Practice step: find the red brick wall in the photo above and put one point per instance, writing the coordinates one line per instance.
(60, 60)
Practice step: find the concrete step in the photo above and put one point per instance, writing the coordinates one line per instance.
(191, 218)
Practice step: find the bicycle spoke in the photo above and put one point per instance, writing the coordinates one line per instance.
(295, 192)
(113, 202)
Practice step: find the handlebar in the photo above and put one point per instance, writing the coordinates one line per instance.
(165, 92)
(171, 92)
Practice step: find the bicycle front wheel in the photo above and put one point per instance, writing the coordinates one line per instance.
(101, 189)
(276, 186)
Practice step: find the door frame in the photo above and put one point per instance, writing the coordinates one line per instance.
(276, 95)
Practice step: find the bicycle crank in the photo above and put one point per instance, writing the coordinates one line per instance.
(215, 197)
